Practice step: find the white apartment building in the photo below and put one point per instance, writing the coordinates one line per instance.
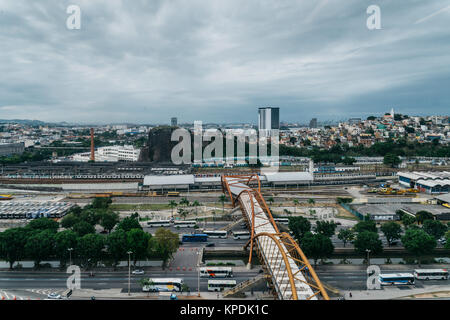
(110, 154)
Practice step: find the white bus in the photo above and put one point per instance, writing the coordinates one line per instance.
(431, 274)
(185, 224)
(395, 278)
(216, 272)
(282, 220)
(216, 233)
(164, 284)
(220, 285)
(159, 223)
(237, 235)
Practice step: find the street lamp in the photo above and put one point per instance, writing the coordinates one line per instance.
(70, 255)
(368, 257)
(129, 270)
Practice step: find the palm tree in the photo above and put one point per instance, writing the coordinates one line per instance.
(183, 213)
(222, 199)
(184, 201)
(172, 204)
(295, 201)
(311, 201)
(196, 204)
(145, 282)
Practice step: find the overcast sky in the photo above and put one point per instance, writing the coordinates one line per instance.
(145, 61)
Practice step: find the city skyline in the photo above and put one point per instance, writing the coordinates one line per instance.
(144, 63)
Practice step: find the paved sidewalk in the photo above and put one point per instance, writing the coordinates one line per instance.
(392, 293)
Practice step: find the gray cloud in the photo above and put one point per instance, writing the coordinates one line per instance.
(145, 61)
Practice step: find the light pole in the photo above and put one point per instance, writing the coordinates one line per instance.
(70, 255)
(129, 270)
(368, 257)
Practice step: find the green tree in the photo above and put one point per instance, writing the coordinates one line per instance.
(316, 246)
(434, 228)
(63, 241)
(137, 242)
(392, 231)
(117, 245)
(90, 249)
(69, 221)
(196, 204)
(326, 228)
(423, 215)
(108, 220)
(296, 202)
(447, 240)
(368, 225)
(391, 160)
(91, 216)
(172, 204)
(40, 246)
(101, 203)
(12, 243)
(222, 200)
(270, 200)
(367, 240)
(299, 226)
(346, 235)
(129, 223)
(43, 224)
(311, 201)
(418, 242)
(164, 244)
(184, 202)
(82, 228)
(408, 220)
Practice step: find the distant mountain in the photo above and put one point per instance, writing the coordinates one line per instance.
(23, 121)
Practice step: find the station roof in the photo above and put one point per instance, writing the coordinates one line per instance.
(178, 179)
(444, 197)
(288, 176)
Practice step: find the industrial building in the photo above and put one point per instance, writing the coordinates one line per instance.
(268, 119)
(32, 210)
(9, 149)
(428, 182)
(193, 182)
(110, 154)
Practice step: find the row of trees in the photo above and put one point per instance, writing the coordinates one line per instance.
(418, 240)
(390, 148)
(40, 240)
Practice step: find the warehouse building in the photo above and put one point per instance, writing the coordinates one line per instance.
(193, 182)
(427, 182)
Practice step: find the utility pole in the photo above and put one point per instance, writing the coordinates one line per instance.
(368, 257)
(129, 271)
(70, 255)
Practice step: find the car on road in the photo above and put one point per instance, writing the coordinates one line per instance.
(211, 244)
(138, 271)
(173, 296)
(54, 296)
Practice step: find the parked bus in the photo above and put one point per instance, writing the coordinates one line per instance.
(173, 194)
(164, 284)
(237, 235)
(216, 233)
(395, 278)
(282, 220)
(185, 224)
(431, 274)
(220, 285)
(195, 237)
(216, 272)
(159, 223)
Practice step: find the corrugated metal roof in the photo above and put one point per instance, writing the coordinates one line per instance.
(444, 197)
(181, 179)
(288, 176)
